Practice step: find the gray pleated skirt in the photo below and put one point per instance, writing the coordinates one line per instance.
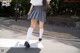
(37, 13)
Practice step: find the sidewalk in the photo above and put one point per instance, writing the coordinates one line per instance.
(55, 39)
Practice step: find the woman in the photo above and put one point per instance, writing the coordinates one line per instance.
(36, 13)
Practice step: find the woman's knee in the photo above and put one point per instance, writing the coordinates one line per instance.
(33, 23)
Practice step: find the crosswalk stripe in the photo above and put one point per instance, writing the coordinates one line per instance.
(19, 43)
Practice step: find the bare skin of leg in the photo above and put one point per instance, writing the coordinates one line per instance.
(33, 23)
(41, 24)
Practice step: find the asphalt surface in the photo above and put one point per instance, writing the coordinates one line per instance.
(55, 39)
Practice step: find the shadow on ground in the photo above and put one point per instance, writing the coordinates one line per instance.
(50, 28)
(62, 30)
(24, 50)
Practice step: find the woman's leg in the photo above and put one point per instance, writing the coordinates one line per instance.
(30, 29)
(41, 26)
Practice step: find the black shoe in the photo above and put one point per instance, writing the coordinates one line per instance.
(27, 45)
(40, 39)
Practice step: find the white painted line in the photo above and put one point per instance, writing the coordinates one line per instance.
(19, 43)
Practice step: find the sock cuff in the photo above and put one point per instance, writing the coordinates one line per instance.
(30, 28)
(41, 29)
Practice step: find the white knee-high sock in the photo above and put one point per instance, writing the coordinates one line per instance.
(41, 33)
(29, 33)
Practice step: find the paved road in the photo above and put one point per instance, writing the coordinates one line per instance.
(54, 41)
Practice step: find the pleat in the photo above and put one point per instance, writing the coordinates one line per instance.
(37, 13)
